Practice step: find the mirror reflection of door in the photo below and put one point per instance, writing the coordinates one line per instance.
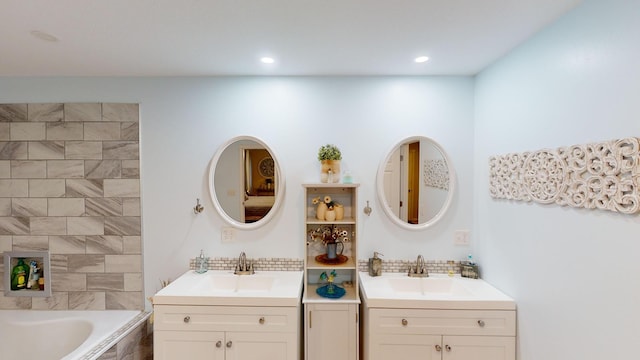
(413, 181)
(259, 184)
(402, 182)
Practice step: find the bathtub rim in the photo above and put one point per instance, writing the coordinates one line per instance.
(99, 343)
(113, 339)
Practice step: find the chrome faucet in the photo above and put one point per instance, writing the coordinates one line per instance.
(420, 269)
(242, 268)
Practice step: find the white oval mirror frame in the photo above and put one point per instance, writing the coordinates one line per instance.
(279, 187)
(381, 186)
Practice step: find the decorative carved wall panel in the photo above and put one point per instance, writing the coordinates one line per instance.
(436, 174)
(603, 175)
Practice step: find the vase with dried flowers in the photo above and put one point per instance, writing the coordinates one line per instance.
(329, 234)
(329, 156)
(333, 238)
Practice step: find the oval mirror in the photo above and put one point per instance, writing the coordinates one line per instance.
(245, 182)
(415, 183)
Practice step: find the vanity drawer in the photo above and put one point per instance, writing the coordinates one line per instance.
(443, 322)
(226, 318)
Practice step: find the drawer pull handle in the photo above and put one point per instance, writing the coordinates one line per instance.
(187, 319)
(481, 323)
(438, 348)
(404, 322)
(261, 321)
(229, 343)
(219, 344)
(447, 347)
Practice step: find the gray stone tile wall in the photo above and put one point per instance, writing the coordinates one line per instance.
(70, 184)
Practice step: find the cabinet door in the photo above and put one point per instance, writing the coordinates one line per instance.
(479, 348)
(263, 346)
(193, 345)
(392, 346)
(332, 332)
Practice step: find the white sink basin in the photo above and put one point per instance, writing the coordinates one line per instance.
(427, 285)
(228, 282)
(438, 291)
(265, 288)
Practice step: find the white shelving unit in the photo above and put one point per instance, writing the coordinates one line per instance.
(331, 325)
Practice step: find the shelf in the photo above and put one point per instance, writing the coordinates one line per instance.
(345, 221)
(312, 297)
(327, 312)
(330, 185)
(347, 195)
(313, 264)
(41, 259)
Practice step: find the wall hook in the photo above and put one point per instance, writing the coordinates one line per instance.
(367, 209)
(198, 208)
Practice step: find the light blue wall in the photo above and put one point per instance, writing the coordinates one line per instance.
(574, 273)
(184, 120)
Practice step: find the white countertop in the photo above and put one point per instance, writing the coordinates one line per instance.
(438, 291)
(217, 287)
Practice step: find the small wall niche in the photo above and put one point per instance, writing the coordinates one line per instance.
(32, 284)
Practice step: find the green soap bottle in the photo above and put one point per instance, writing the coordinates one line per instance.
(19, 275)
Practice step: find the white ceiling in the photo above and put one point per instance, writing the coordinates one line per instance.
(227, 37)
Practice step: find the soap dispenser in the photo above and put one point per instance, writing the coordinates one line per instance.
(375, 264)
(202, 263)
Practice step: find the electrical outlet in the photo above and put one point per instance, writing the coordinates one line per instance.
(461, 237)
(228, 234)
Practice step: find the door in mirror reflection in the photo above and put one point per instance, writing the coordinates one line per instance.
(402, 182)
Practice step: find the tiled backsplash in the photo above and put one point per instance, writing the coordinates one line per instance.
(259, 264)
(70, 184)
(286, 264)
(433, 266)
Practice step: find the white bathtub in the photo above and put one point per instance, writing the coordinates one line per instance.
(63, 335)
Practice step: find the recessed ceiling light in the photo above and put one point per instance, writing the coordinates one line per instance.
(421, 59)
(267, 60)
(43, 36)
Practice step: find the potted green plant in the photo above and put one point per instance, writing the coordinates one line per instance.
(329, 156)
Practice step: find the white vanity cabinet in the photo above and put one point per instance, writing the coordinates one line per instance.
(428, 334)
(331, 331)
(226, 332)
